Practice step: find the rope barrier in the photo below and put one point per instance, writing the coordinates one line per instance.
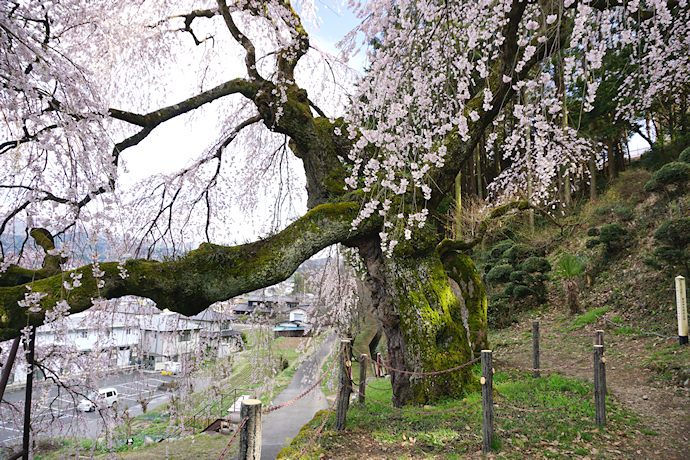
(318, 431)
(310, 389)
(423, 412)
(468, 363)
(222, 455)
(539, 411)
(545, 369)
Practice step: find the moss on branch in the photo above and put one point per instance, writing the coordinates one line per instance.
(206, 275)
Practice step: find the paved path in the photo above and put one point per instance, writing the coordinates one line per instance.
(280, 426)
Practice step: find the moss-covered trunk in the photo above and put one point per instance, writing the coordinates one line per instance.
(433, 311)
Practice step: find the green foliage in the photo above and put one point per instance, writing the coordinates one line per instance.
(594, 231)
(518, 253)
(500, 274)
(590, 317)
(589, 244)
(674, 232)
(536, 264)
(673, 241)
(569, 266)
(675, 173)
(521, 291)
(613, 236)
(497, 251)
(684, 156)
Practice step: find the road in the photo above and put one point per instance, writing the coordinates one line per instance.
(280, 426)
(64, 420)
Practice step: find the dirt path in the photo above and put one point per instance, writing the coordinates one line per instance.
(663, 408)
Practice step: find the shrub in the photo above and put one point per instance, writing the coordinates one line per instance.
(593, 232)
(496, 253)
(518, 253)
(499, 274)
(520, 292)
(589, 244)
(613, 236)
(536, 264)
(684, 156)
(673, 239)
(674, 232)
(675, 173)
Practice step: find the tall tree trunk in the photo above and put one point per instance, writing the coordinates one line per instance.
(593, 176)
(433, 312)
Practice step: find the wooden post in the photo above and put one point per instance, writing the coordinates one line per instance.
(345, 385)
(535, 348)
(379, 361)
(250, 434)
(362, 377)
(599, 385)
(682, 305)
(599, 340)
(487, 401)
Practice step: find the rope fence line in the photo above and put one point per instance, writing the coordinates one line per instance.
(487, 372)
(306, 392)
(323, 423)
(225, 451)
(468, 363)
(422, 412)
(544, 369)
(541, 411)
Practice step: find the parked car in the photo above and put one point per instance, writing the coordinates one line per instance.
(105, 397)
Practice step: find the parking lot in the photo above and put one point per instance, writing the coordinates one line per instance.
(58, 416)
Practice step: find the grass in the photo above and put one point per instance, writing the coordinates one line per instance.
(590, 317)
(377, 430)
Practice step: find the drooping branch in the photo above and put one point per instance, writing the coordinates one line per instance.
(206, 275)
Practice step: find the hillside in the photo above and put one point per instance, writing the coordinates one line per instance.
(629, 256)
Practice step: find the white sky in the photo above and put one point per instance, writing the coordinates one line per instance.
(177, 142)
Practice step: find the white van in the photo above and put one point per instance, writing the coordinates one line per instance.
(106, 397)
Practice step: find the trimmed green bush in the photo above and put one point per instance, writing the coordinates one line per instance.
(613, 236)
(684, 156)
(673, 240)
(675, 173)
(500, 274)
(674, 232)
(536, 264)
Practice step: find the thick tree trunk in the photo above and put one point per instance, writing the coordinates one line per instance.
(433, 312)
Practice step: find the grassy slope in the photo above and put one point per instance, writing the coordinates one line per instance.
(633, 302)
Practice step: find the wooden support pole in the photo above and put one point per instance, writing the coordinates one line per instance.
(345, 385)
(535, 348)
(599, 385)
(682, 305)
(362, 377)
(599, 340)
(379, 364)
(250, 434)
(487, 401)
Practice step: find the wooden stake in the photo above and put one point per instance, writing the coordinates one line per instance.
(599, 385)
(250, 434)
(345, 385)
(535, 348)
(362, 377)
(682, 305)
(487, 401)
